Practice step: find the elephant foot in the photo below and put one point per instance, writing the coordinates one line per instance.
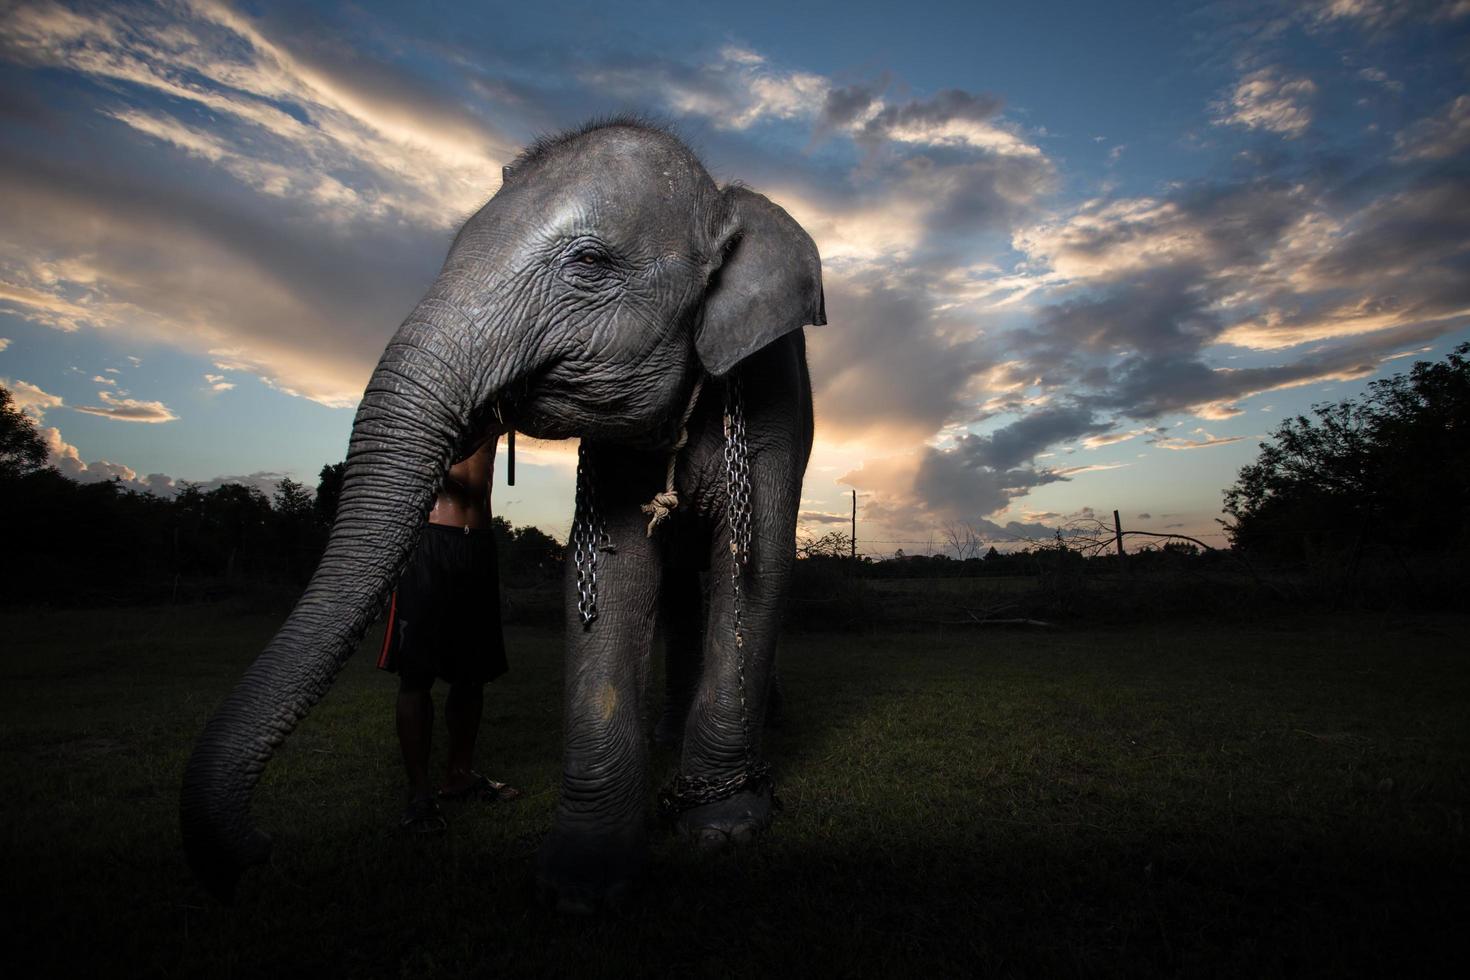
(581, 874)
(736, 820)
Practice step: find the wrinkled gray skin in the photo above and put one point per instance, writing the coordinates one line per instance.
(607, 274)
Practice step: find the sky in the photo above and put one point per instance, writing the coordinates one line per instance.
(1077, 257)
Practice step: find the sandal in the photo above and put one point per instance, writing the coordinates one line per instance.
(423, 817)
(481, 789)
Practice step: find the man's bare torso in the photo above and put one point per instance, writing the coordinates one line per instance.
(464, 501)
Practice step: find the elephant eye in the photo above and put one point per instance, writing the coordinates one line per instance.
(589, 264)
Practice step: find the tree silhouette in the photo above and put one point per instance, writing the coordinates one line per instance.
(1390, 469)
(328, 492)
(21, 448)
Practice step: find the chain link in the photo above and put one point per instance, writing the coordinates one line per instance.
(589, 536)
(737, 478)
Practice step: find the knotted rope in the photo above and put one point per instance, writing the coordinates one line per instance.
(666, 501)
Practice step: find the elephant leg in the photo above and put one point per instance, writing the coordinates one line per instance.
(722, 738)
(598, 841)
(681, 614)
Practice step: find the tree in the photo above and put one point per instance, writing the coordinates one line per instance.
(291, 499)
(328, 492)
(963, 539)
(536, 553)
(1388, 470)
(833, 544)
(299, 535)
(21, 449)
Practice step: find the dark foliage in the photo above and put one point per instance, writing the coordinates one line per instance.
(527, 554)
(21, 448)
(1368, 491)
(328, 492)
(72, 543)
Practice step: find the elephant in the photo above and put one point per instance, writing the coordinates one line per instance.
(610, 291)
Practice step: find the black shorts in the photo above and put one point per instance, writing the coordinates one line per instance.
(445, 617)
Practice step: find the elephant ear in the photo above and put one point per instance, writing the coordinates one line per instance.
(769, 284)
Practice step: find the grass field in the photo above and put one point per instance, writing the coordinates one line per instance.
(1281, 797)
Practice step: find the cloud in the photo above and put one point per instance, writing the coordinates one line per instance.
(820, 517)
(103, 380)
(1438, 137)
(735, 90)
(284, 119)
(850, 105)
(1379, 15)
(1071, 471)
(68, 461)
(894, 370)
(1266, 99)
(1144, 289)
(1020, 441)
(64, 457)
(978, 475)
(263, 480)
(1373, 13)
(1398, 262)
(302, 307)
(1380, 77)
(1221, 226)
(952, 117)
(127, 409)
(50, 309)
(1204, 441)
(4, 343)
(27, 398)
(217, 382)
(1111, 438)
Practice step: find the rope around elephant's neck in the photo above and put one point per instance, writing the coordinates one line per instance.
(667, 500)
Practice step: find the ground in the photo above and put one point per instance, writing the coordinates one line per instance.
(1202, 798)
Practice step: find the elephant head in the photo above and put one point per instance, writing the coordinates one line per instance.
(583, 299)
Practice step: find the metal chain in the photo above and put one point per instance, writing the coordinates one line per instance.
(688, 792)
(589, 536)
(737, 478)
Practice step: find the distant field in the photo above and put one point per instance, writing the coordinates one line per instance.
(1282, 797)
(989, 585)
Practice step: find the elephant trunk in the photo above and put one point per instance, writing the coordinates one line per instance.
(412, 419)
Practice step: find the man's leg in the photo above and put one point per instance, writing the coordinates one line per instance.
(415, 717)
(462, 711)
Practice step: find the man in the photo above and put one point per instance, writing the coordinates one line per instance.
(445, 622)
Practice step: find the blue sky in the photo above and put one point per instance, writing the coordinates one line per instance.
(1078, 257)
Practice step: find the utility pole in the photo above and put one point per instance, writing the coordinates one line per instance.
(853, 540)
(1118, 539)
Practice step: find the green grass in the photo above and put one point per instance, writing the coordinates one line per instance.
(1281, 797)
